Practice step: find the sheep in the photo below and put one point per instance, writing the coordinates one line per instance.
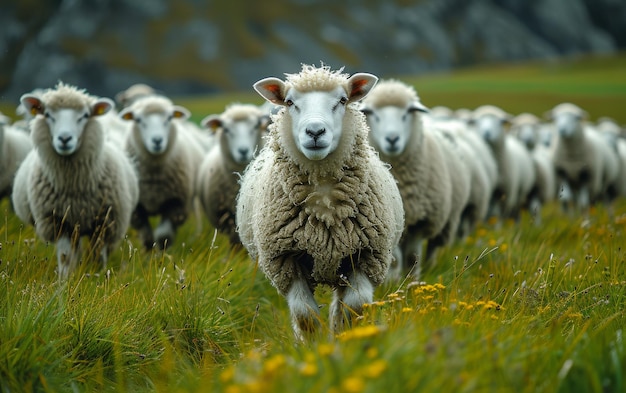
(239, 131)
(614, 134)
(73, 183)
(14, 146)
(139, 90)
(317, 205)
(528, 128)
(166, 158)
(482, 171)
(432, 181)
(516, 175)
(584, 161)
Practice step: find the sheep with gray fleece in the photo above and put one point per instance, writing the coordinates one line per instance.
(239, 132)
(432, 181)
(527, 128)
(74, 183)
(317, 205)
(516, 173)
(584, 161)
(167, 160)
(15, 144)
(478, 160)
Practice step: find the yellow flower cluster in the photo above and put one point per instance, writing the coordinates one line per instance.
(360, 332)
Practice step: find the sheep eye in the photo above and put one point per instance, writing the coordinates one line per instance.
(85, 116)
(343, 100)
(169, 118)
(289, 103)
(47, 115)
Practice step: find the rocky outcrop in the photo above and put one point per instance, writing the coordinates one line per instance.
(194, 46)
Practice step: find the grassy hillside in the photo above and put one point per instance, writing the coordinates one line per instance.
(521, 308)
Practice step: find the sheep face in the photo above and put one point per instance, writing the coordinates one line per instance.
(491, 128)
(239, 136)
(66, 125)
(568, 124)
(155, 127)
(317, 112)
(528, 134)
(392, 126)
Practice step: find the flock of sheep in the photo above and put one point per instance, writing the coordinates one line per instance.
(338, 179)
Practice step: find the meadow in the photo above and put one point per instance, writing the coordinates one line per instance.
(513, 308)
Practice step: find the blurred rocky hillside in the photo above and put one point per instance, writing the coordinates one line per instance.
(199, 46)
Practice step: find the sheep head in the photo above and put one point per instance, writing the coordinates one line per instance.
(316, 100)
(391, 111)
(241, 129)
(491, 123)
(568, 119)
(66, 111)
(153, 117)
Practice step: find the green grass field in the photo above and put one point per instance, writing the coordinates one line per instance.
(521, 308)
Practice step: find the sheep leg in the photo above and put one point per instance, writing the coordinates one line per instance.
(140, 220)
(413, 254)
(348, 300)
(66, 257)
(395, 268)
(583, 199)
(174, 214)
(303, 308)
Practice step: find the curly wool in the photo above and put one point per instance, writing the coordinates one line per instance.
(93, 190)
(218, 177)
(170, 175)
(421, 170)
(330, 216)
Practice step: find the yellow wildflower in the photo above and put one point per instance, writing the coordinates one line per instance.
(228, 374)
(371, 353)
(407, 309)
(308, 369)
(360, 332)
(439, 286)
(493, 316)
(353, 385)
(233, 389)
(325, 349)
(504, 247)
(375, 369)
(274, 363)
(492, 242)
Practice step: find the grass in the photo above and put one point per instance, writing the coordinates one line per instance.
(519, 308)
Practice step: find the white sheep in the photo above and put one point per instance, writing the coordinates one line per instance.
(614, 134)
(516, 174)
(167, 158)
(14, 146)
(584, 161)
(134, 92)
(239, 131)
(433, 182)
(73, 183)
(479, 162)
(528, 129)
(317, 205)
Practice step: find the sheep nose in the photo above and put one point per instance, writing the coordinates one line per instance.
(392, 139)
(157, 140)
(65, 139)
(315, 130)
(243, 151)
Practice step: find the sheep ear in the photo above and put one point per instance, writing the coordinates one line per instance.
(127, 114)
(32, 104)
(181, 113)
(272, 89)
(548, 115)
(101, 106)
(359, 85)
(417, 106)
(212, 122)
